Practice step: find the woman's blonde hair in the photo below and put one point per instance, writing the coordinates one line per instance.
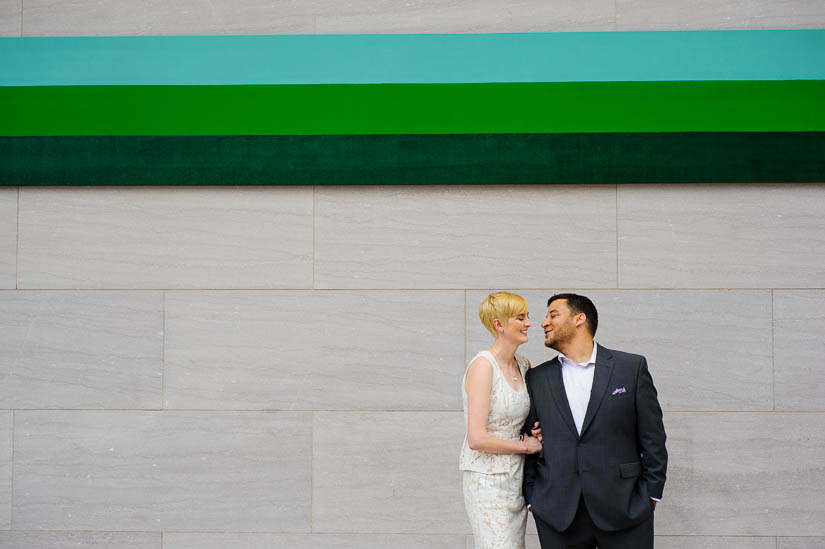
(502, 306)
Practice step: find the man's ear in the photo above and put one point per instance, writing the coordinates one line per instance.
(581, 318)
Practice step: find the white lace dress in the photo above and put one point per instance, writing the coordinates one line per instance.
(492, 482)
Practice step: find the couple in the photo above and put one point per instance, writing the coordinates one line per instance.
(592, 432)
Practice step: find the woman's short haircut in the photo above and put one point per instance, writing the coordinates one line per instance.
(502, 306)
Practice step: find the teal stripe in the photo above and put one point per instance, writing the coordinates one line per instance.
(430, 58)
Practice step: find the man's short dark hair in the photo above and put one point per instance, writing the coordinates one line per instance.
(580, 304)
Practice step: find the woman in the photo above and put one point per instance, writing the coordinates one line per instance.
(496, 404)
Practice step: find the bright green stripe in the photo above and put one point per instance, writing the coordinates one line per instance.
(414, 108)
(413, 159)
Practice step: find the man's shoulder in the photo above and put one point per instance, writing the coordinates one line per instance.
(544, 367)
(622, 357)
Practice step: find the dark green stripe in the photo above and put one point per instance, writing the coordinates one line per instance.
(414, 159)
(414, 108)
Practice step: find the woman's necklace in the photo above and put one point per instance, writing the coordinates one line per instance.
(515, 376)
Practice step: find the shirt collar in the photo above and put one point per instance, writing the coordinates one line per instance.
(566, 361)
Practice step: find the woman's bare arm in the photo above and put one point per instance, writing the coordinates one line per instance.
(478, 383)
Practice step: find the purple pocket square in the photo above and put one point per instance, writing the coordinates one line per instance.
(618, 391)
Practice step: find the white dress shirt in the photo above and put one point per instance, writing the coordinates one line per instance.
(578, 381)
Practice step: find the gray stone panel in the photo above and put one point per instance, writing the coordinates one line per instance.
(431, 16)
(800, 543)
(166, 237)
(155, 471)
(8, 227)
(80, 540)
(465, 237)
(706, 349)
(368, 350)
(390, 472)
(714, 542)
(744, 474)
(161, 17)
(312, 541)
(721, 236)
(6, 455)
(730, 14)
(10, 18)
(81, 349)
(799, 349)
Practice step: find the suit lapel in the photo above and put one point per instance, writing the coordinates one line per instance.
(601, 379)
(560, 396)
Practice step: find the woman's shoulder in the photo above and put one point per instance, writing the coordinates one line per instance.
(484, 358)
(481, 363)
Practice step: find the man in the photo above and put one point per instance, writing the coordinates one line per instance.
(602, 469)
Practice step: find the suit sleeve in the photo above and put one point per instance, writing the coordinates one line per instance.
(650, 431)
(529, 459)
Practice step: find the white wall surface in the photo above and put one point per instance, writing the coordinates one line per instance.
(161, 17)
(146, 391)
(280, 367)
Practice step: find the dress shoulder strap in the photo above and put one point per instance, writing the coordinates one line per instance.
(489, 356)
(486, 354)
(523, 363)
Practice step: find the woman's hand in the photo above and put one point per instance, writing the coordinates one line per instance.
(536, 432)
(532, 445)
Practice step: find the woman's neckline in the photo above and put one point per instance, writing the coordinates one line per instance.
(504, 376)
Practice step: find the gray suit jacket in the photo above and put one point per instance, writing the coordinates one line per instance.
(617, 464)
